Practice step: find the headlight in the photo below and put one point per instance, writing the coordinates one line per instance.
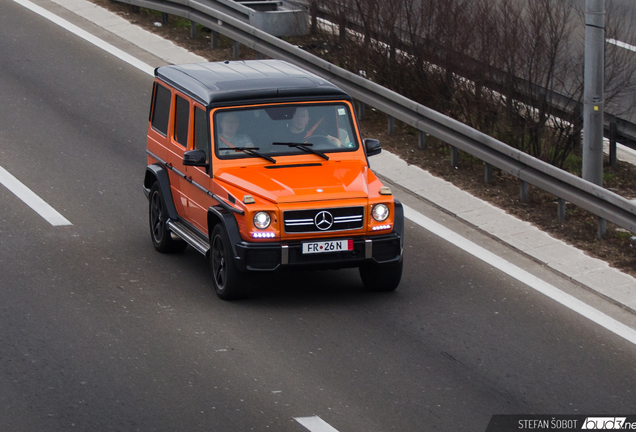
(380, 212)
(262, 220)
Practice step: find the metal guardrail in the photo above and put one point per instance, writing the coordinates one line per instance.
(595, 199)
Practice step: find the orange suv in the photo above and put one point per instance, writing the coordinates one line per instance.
(259, 166)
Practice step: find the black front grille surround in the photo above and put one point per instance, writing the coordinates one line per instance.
(323, 220)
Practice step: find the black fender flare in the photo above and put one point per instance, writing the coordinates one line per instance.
(398, 220)
(219, 215)
(157, 173)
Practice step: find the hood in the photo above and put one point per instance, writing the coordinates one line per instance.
(301, 182)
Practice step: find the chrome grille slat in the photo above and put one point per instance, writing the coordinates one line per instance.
(339, 219)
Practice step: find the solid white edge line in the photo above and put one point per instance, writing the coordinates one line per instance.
(315, 424)
(40, 206)
(88, 37)
(523, 276)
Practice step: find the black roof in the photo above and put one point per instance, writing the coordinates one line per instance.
(250, 80)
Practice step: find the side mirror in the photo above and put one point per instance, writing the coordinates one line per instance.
(372, 146)
(195, 158)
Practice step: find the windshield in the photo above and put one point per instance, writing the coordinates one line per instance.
(277, 130)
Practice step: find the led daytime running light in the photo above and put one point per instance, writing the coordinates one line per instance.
(381, 227)
(263, 234)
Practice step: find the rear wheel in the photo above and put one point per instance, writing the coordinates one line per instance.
(229, 283)
(381, 277)
(157, 217)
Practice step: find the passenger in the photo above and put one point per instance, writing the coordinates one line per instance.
(229, 138)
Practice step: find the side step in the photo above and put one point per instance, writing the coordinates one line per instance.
(194, 239)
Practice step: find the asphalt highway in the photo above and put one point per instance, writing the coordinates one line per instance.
(100, 332)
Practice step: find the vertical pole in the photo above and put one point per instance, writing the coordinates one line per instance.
(235, 50)
(523, 191)
(593, 99)
(259, 55)
(164, 18)
(193, 29)
(602, 228)
(487, 173)
(214, 40)
(561, 209)
(454, 157)
(391, 127)
(361, 108)
(421, 139)
(612, 144)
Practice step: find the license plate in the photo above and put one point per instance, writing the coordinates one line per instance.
(327, 246)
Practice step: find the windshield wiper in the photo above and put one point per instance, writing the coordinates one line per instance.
(304, 147)
(252, 151)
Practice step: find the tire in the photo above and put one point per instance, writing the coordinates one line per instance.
(229, 283)
(381, 277)
(157, 217)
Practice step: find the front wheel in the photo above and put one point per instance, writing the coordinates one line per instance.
(381, 277)
(229, 283)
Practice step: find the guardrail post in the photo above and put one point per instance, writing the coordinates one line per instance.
(523, 191)
(164, 18)
(561, 209)
(454, 157)
(391, 130)
(259, 55)
(235, 49)
(612, 144)
(135, 9)
(602, 228)
(193, 29)
(361, 107)
(214, 40)
(487, 173)
(421, 139)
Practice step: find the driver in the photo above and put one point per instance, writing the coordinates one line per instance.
(299, 133)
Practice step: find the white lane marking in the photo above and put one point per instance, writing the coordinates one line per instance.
(31, 199)
(523, 276)
(621, 44)
(88, 37)
(315, 424)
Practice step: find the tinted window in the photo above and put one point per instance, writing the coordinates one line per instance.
(182, 117)
(201, 138)
(161, 109)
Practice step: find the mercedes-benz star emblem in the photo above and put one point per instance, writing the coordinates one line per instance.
(323, 220)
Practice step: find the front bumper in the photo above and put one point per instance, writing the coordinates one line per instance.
(280, 255)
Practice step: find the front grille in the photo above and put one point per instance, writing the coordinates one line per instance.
(323, 220)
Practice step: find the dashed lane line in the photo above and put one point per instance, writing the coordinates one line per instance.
(315, 424)
(29, 197)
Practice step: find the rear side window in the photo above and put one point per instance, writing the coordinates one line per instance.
(161, 109)
(182, 121)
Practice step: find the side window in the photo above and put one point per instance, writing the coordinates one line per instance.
(182, 121)
(161, 109)
(201, 137)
